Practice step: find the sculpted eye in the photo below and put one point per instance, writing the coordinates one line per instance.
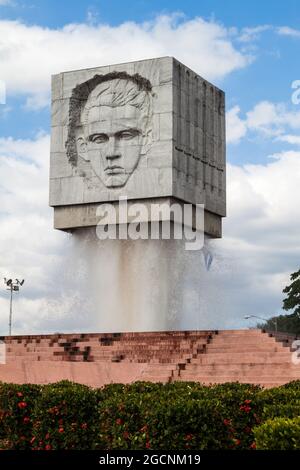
(98, 138)
(128, 134)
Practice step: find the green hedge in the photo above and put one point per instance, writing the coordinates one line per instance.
(17, 403)
(142, 415)
(65, 417)
(178, 416)
(278, 434)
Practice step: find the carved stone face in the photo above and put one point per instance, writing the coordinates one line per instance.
(112, 139)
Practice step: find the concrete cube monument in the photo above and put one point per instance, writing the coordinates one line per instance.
(150, 130)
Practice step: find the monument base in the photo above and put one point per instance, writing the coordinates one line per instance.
(246, 356)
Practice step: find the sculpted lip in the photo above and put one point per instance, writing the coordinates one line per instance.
(114, 169)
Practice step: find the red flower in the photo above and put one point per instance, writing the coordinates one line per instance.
(22, 404)
(61, 430)
(188, 437)
(84, 426)
(60, 421)
(247, 402)
(253, 445)
(144, 428)
(53, 410)
(227, 422)
(119, 421)
(32, 440)
(47, 447)
(26, 419)
(19, 394)
(126, 435)
(245, 408)
(148, 445)
(237, 442)
(47, 436)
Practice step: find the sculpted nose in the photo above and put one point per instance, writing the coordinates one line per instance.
(112, 151)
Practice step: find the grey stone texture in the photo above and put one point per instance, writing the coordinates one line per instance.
(185, 158)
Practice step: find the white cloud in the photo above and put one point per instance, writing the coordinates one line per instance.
(30, 54)
(29, 247)
(272, 118)
(251, 34)
(290, 139)
(266, 118)
(260, 246)
(236, 128)
(287, 31)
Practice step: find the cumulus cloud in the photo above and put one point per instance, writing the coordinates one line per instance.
(251, 34)
(29, 247)
(272, 118)
(266, 118)
(260, 247)
(33, 53)
(236, 128)
(290, 139)
(287, 31)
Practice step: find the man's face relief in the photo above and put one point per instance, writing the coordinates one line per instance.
(111, 140)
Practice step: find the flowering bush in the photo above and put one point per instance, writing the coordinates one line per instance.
(16, 406)
(143, 415)
(178, 416)
(65, 417)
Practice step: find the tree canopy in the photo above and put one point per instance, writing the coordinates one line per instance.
(288, 323)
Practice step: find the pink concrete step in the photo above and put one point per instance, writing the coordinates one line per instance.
(263, 383)
(255, 371)
(156, 373)
(245, 332)
(242, 358)
(155, 379)
(211, 349)
(251, 341)
(235, 378)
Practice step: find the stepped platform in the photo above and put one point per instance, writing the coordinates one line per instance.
(247, 356)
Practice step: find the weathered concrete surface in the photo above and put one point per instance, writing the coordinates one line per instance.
(85, 215)
(179, 151)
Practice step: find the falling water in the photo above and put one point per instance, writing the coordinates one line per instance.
(141, 285)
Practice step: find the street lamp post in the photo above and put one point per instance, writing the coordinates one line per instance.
(12, 286)
(265, 319)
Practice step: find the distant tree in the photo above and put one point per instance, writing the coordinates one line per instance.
(293, 294)
(288, 323)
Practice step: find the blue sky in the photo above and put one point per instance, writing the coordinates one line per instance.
(268, 78)
(249, 49)
(53, 13)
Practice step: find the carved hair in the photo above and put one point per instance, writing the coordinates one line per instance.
(112, 89)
